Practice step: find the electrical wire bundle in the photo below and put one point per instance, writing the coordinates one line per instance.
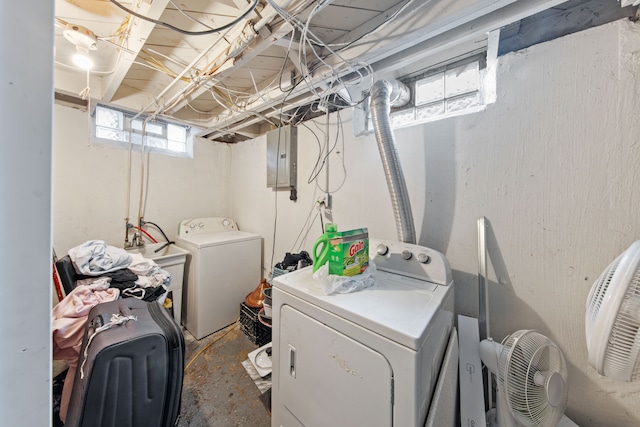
(308, 40)
(210, 30)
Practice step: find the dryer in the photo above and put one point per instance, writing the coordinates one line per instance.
(370, 357)
(224, 265)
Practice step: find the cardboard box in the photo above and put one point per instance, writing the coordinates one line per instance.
(349, 252)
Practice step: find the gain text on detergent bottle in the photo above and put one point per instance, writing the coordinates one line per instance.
(349, 252)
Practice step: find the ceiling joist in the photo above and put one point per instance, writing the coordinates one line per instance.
(138, 33)
(265, 63)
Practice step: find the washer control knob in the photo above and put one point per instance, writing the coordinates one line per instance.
(225, 223)
(406, 254)
(424, 258)
(382, 249)
(192, 226)
(200, 224)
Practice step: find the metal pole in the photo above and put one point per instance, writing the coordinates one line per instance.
(328, 201)
(483, 303)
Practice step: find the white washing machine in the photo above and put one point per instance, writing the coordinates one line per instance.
(368, 358)
(224, 265)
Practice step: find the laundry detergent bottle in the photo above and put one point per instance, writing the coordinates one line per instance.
(321, 248)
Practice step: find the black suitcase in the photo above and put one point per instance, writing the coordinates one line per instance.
(130, 369)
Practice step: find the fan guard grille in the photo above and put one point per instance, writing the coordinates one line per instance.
(596, 296)
(612, 318)
(624, 342)
(526, 353)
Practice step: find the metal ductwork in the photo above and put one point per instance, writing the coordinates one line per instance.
(384, 94)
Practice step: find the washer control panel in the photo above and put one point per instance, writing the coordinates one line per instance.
(409, 260)
(190, 227)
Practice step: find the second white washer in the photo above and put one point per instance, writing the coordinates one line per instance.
(223, 267)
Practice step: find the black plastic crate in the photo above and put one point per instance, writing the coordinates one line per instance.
(257, 332)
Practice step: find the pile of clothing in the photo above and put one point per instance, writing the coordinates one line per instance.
(293, 262)
(134, 275)
(104, 273)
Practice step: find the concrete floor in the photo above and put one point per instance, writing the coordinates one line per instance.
(217, 390)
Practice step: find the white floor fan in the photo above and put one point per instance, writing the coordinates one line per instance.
(612, 320)
(532, 380)
(530, 368)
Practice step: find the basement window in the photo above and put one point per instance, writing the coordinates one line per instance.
(446, 91)
(116, 127)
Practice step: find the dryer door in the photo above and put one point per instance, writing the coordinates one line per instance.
(329, 379)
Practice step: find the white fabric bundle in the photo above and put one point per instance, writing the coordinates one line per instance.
(95, 257)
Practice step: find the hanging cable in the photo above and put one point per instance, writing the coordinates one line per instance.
(306, 226)
(86, 95)
(341, 153)
(128, 205)
(315, 171)
(275, 202)
(160, 230)
(155, 64)
(142, 168)
(189, 33)
(390, 19)
(308, 38)
(275, 198)
(178, 62)
(146, 234)
(184, 13)
(325, 159)
(146, 181)
(258, 93)
(229, 329)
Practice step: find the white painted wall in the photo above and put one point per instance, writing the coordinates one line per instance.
(90, 186)
(26, 90)
(553, 165)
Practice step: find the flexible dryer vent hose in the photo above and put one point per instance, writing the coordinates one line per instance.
(384, 94)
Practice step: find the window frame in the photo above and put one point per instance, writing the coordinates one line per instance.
(411, 110)
(131, 137)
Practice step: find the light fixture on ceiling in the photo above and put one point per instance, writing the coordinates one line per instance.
(84, 40)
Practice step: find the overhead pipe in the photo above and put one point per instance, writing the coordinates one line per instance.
(261, 23)
(193, 85)
(188, 68)
(384, 95)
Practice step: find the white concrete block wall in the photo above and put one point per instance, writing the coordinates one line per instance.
(90, 185)
(553, 165)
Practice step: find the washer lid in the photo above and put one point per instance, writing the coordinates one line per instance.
(215, 239)
(399, 308)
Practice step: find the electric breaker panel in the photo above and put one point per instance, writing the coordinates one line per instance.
(282, 157)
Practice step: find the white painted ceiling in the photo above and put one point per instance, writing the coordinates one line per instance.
(238, 83)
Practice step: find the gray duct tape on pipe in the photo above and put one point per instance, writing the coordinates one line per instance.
(384, 94)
